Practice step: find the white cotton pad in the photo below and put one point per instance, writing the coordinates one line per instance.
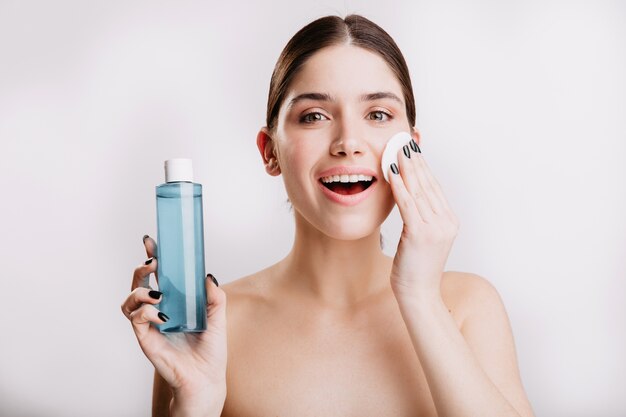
(390, 154)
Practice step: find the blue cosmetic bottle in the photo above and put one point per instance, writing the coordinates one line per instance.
(180, 249)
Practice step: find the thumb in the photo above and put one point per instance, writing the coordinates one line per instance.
(216, 303)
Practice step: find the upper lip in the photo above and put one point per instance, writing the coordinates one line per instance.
(346, 170)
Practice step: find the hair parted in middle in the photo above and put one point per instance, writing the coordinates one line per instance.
(333, 30)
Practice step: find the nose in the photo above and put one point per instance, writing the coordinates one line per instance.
(347, 141)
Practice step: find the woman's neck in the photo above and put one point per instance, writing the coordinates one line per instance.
(338, 273)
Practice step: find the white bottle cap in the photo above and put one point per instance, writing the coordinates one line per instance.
(178, 169)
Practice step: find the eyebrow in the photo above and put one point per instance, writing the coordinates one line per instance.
(380, 95)
(327, 97)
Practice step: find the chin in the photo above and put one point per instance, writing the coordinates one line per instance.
(350, 227)
(341, 224)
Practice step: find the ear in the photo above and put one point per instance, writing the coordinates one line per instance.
(415, 134)
(266, 146)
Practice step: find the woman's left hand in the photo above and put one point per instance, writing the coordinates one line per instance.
(430, 227)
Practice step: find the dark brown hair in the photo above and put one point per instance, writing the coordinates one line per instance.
(332, 30)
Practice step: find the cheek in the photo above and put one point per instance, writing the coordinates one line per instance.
(298, 157)
(291, 161)
(295, 169)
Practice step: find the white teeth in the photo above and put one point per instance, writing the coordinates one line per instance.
(347, 178)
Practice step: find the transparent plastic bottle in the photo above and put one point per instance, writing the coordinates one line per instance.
(180, 249)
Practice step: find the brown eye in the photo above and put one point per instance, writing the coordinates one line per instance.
(379, 116)
(312, 117)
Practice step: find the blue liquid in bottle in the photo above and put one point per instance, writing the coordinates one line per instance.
(180, 249)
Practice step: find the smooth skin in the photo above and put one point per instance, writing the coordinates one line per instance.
(337, 328)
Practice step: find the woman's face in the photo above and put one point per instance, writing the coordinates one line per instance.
(339, 112)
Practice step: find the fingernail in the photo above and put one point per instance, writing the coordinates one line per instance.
(149, 261)
(213, 279)
(155, 294)
(415, 146)
(394, 168)
(406, 151)
(145, 237)
(163, 316)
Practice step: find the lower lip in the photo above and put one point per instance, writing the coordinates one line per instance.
(347, 199)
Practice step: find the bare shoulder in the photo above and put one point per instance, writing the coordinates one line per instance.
(254, 285)
(486, 328)
(468, 294)
(466, 282)
(248, 295)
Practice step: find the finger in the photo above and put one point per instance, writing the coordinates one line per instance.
(141, 319)
(213, 341)
(151, 247)
(151, 251)
(137, 298)
(408, 172)
(216, 315)
(436, 187)
(426, 185)
(141, 274)
(406, 204)
(216, 298)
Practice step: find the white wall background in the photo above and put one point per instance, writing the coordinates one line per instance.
(522, 108)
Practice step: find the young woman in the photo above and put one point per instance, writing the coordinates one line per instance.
(337, 328)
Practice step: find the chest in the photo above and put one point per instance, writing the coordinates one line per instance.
(297, 366)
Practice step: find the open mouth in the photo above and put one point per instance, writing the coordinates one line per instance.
(347, 184)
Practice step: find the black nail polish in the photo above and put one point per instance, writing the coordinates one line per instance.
(149, 261)
(406, 151)
(145, 237)
(163, 316)
(155, 294)
(415, 148)
(213, 279)
(394, 168)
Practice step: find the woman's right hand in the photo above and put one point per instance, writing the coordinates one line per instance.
(193, 364)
